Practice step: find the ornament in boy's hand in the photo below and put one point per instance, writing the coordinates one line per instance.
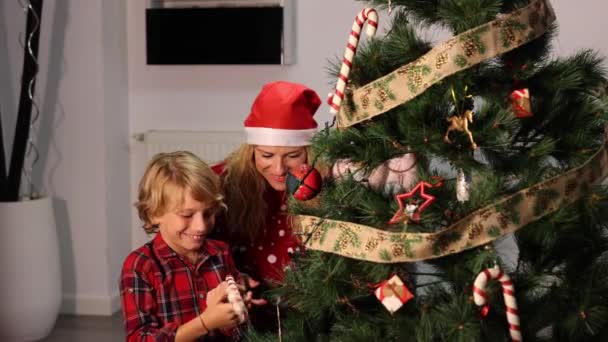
(234, 297)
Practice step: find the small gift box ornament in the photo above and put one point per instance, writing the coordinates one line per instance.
(520, 101)
(393, 294)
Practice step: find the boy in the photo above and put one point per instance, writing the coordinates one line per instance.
(173, 288)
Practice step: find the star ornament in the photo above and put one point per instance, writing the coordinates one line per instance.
(406, 211)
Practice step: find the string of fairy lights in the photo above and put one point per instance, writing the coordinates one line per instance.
(32, 153)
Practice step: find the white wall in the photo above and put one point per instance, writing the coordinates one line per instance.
(95, 90)
(582, 25)
(115, 82)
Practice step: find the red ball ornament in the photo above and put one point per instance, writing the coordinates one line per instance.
(485, 310)
(304, 183)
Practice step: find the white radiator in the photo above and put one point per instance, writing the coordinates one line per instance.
(210, 146)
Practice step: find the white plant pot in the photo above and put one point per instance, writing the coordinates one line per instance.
(30, 276)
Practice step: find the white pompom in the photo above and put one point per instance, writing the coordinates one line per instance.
(462, 187)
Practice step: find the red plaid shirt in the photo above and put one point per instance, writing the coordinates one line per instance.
(161, 290)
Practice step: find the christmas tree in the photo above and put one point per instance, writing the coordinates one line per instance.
(440, 153)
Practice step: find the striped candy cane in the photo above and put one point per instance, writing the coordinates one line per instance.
(371, 16)
(480, 297)
(234, 297)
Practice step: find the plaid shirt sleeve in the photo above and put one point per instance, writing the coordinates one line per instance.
(229, 264)
(139, 304)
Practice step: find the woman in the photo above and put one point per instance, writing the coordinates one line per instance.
(278, 132)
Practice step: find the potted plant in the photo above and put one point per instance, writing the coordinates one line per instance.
(30, 289)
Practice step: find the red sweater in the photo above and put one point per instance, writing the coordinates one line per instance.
(266, 257)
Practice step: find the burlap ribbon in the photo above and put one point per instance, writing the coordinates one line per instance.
(454, 55)
(485, 225)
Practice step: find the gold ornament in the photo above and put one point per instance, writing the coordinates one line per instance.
(460, 122)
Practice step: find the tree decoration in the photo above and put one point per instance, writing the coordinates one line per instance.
(393, 293)
(371, 16)
(520, 101)
(234, 297)
(461, 119)
(481, 297)
(394, 175)
(462, 187)
(411, 211)
(304, 183)
(479, 44)
(474, 230)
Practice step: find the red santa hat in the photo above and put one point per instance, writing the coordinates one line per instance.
(282, 115)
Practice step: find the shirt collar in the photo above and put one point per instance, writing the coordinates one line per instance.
(165, 252)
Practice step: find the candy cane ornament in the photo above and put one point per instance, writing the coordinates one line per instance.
(480, 297)
(371, 16)
(234, 297)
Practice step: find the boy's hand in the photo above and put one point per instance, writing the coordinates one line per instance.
(219, 313)
(245, 285)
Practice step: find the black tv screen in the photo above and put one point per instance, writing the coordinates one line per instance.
(239, 35)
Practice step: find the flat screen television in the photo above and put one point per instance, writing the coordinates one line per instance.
(231, 35)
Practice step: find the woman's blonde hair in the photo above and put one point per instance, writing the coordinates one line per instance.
(245, 188)
(166, 180)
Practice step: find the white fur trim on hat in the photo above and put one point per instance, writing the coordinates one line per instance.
(279, 137)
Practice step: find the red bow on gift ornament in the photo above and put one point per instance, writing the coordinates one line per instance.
(393, 293)
(520, 101)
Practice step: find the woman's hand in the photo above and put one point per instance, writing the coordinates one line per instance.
(245, 285)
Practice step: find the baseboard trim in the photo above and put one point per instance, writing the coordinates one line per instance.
(90, 305)
(115, 305)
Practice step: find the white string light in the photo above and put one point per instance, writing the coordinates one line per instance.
(32, 154)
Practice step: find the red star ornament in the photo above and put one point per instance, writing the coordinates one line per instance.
(402, 214)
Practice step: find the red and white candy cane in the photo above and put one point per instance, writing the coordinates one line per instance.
(234, 297)
(371, 16)
(480, 297)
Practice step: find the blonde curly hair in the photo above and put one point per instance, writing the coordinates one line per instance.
(245, 188)
(167, 178)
